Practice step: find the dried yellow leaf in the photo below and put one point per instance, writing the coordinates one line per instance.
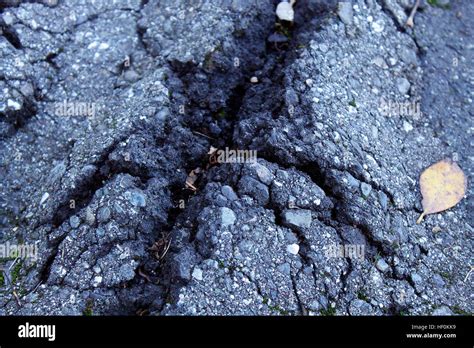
(442, 186)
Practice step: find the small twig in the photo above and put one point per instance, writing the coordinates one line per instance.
(203, 135)
(144, 275)
(17, 298)
(166, 250)
(420, 218)
(37, 286)
(142, 312)
(13, 264)
(469, 273)
(410, 22)
(191, 186)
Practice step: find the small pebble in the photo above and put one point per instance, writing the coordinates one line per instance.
(345, 12)
(403, 85)
(382, 266)
(366, 189)
(197, 274)
(285, 11)
(44, 197)
(293, 249)
(378, 26)
(407, 127)
(74, 221)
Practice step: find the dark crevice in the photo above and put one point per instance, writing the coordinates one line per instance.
(379, 246)
(232, 109)
(420, 50)
(140, 34)
(50, 59)
(221, 75)
(11, 36)
(86, 188)
(85, 191)
(337, 219)
(225, 113)
(179, 195)
(82, 196)
(318, 176)
(16, 120)
(202, 86)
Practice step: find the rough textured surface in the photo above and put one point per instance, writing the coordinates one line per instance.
(322, 223)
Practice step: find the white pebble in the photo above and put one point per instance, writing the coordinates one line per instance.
(293, 248)
(407, 127)
(197, 274)
(97, 280)
(378, 26)
(13, 104)
(285, 12)
(44, 198)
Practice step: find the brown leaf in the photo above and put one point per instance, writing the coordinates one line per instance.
(442, 185)
(191, 179)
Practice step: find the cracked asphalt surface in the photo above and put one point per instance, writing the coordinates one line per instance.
(106, 107)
